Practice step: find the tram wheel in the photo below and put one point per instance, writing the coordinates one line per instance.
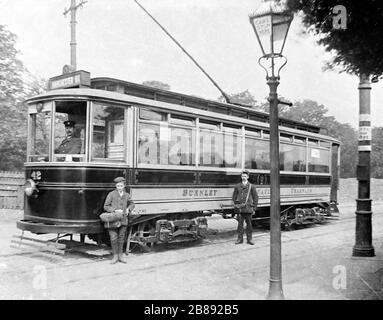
(141, 232)
(147, 229)
(288, 225)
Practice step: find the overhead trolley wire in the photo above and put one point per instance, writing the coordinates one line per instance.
(183, 49)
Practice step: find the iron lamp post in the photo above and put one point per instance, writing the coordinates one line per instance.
(271, 23)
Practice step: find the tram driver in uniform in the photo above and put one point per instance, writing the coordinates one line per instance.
(71, 144)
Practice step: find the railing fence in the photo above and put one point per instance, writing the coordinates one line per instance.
(11, 191)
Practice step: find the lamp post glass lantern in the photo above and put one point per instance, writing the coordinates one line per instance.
(271, 23)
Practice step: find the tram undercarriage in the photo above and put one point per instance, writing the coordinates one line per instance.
(145, 231)
(294, 215)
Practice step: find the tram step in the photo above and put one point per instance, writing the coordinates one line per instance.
(40, 245)
(85, 248)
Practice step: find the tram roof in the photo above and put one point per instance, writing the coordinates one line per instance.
(173, 98)
(143, 91)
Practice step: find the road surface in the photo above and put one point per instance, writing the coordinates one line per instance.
(214, 268)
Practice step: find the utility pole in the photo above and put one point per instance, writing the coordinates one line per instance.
(73, 9)
(363, 231)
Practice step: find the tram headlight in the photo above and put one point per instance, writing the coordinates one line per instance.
(30, 188)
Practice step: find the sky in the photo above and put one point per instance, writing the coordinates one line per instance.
(117, 39)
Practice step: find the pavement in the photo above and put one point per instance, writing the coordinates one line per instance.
(317, 264)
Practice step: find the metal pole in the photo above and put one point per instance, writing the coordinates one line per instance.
(275, 287)
(73, 22)
(363, 231)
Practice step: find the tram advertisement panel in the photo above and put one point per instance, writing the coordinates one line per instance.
(157, 200)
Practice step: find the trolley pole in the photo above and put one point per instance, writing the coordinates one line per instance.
(73, 43)
(73, 10)
(275, 285)
(363, 231)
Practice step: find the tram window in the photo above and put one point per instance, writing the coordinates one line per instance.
(319, 160)
(299, 140)
(149, 144)
(232, 146)
(313, 142)
(266, 134)
(40, 133)
(292, 158)
(257, 154)
(206, 124)
(231, 129)
(100, 87)
(253, 132)
(111, 87)
(165, 145)
(286, 138)
(146, 114)
(180, 120)
(325, 144)
(211, 148)
(211, 144)
(182, 146)
(238, 113)
(69, 143)
(221, 110)
(108, 133)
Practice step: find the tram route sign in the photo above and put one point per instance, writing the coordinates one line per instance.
(77, 79)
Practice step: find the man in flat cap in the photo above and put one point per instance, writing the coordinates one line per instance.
(245, 200)
(70, 145)
(118, 201)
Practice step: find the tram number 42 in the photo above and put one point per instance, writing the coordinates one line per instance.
(36, 175)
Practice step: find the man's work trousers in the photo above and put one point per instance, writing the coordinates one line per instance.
(249, 229)
(117, 238)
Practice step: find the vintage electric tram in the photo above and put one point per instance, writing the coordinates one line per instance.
(181, 156)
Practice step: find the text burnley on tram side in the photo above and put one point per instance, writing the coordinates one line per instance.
(180, 157)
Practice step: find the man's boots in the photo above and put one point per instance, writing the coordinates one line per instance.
(114, 245)
(121, 254)
(239, 240)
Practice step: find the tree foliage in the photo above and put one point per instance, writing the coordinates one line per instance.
(246, 99)
(16, 83)
(356, 49)
(157, 84)
(11, 112)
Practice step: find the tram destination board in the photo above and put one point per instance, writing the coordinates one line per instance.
(70, 80)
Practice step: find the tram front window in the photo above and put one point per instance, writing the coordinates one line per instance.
(40, 132)
(70, 131)
(108, 133)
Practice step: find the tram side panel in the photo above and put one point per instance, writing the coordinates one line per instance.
(188, 199)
